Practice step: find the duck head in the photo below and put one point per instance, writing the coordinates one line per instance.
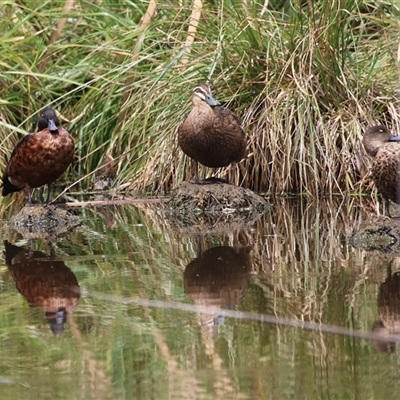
(375, 137)
(201, 94)
(48, 119)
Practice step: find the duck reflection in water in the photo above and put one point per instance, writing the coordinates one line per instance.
(388, 311)
(45, 282)
(218, 277)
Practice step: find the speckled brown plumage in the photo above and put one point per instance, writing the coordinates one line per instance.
(105, 175)
(107, 169)
(211, 134)
(385, 168)
(39, 158)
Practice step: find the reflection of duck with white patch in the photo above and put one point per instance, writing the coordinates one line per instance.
(388, 325)
(218, 277)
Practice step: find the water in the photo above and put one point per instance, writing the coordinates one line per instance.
(115, 312)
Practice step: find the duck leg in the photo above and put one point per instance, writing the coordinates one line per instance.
(49, 193)
(29, 195)
(195, 166)
(30, 248)
(232, 174)
(387, 210)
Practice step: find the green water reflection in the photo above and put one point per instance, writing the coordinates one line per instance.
(63, 337)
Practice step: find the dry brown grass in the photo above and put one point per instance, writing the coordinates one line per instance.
(305, 84)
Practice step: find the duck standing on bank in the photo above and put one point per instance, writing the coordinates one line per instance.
(39, 158)
(211, 134)
(379, 143)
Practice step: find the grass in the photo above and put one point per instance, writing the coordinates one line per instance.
(305, 79)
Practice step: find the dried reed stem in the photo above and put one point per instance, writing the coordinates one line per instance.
(147, 18)
(194, 22)
(117, 202)
(69, 4)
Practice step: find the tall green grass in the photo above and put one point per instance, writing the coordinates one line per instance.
(305, 78)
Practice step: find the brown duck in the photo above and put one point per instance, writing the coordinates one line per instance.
(105, 175)
(385, 169)
(39, 158)
(211, 134)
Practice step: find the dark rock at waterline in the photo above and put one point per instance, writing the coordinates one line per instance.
(45, 221)
(213, 207)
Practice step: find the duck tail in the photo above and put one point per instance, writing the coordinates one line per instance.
(10, 251)
(8, 187)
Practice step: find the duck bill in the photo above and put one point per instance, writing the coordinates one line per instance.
(52, 126)
(211, 101)
(393, 138)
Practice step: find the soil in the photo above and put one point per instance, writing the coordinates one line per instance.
(213, 206)
(380, 234)
(215, 197)
(44, 221)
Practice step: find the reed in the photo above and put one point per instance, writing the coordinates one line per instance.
(305, 79)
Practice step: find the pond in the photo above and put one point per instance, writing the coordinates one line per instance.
(133, 305)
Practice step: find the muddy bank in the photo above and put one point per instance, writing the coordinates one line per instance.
(213, 207)
(379, 234)
(215, 197)
(44, 221)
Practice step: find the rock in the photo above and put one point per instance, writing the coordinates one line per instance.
(105, 175)
(213, 207)
(215, 197)
(380, 234)
(45, 221)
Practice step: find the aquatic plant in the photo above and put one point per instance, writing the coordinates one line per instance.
(305, 79)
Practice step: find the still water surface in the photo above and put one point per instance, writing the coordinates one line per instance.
(70, 327)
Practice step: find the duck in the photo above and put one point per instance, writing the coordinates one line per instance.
(211, 134)
(105, 174)
(39, 158)
(380, 144)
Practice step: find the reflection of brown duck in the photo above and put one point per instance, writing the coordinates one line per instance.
(218, 277)
(211, 134)
(388, 310)
(39, 158)
(45, 282)
(385, 168)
